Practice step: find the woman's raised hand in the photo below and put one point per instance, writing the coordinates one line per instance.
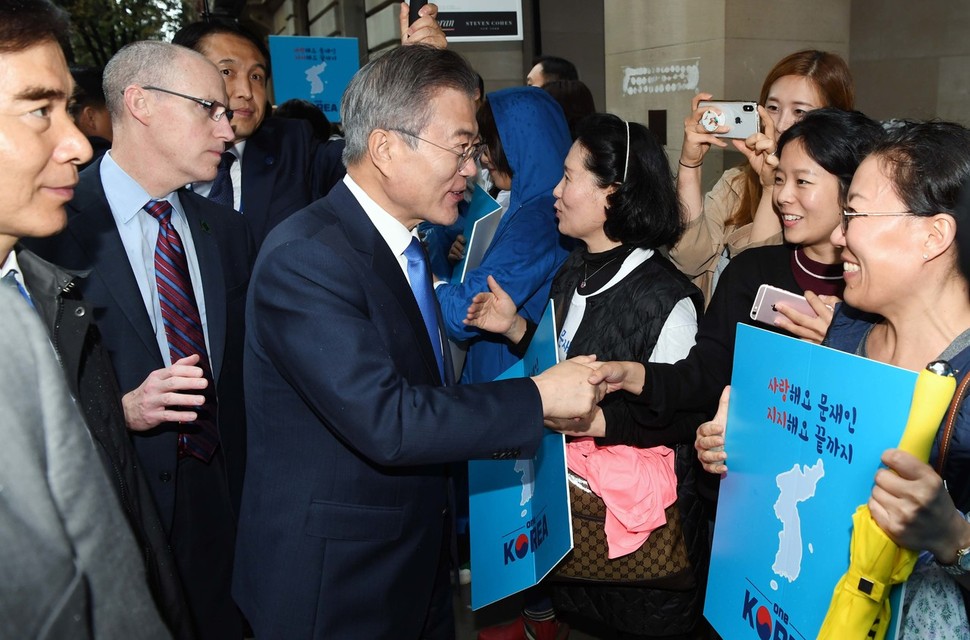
(697, 140)
(493, 311)
(760, 148)
(805, 326)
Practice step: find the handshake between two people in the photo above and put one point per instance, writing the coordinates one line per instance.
(571, 390)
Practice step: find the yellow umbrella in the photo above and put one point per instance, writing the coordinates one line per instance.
(860, 602)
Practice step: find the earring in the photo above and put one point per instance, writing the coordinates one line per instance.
(925, 257)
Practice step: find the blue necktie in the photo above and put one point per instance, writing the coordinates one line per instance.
(10, 280)
(424, 295)
(221, 191)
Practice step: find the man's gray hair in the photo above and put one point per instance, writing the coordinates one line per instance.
(395, 91)
(145, 63)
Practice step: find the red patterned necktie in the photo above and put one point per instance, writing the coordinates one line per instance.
(183, 328)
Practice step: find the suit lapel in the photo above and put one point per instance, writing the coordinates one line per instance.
(213, 279)
(258, 162)
(365, 238)
(91, 223)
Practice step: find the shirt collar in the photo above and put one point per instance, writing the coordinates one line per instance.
(10, 263)
(238, 149)
(395, 234)
(125, 196)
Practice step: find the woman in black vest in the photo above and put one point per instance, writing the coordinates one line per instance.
(619, 298)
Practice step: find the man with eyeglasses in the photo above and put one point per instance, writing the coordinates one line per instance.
(168, 271)
(273, 166)
(345, 520)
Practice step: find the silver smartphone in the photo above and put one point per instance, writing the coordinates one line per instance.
(741, 116)
(763, 310)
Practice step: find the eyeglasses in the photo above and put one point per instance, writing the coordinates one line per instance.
(216, 109)
(472, 152)
(846, 215)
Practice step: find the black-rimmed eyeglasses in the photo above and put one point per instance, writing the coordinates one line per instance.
(216, 109)
(472, 152)
(846, 215)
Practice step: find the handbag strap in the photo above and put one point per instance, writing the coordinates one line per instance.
(950, 421)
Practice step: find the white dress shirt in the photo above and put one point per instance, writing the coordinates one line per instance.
(395, 234)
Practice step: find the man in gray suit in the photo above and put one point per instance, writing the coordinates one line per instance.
(69, 567)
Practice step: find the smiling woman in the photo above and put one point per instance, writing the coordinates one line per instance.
(737, 212)
(817, 158)
(617, 297)
(901, 270)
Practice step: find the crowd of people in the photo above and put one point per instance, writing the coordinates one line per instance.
(230, 405)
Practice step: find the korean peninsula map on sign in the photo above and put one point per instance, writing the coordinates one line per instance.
(805, 433)
(519, 511)
(314, 69)
(794, 486)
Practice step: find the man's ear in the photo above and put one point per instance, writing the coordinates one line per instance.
(382, 149)
(88, 117)
(138, 103)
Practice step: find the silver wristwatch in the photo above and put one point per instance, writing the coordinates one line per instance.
(962, 565)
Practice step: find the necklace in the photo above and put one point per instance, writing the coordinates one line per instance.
(814, 275)
(587, 276)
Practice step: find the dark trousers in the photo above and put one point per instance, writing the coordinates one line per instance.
(203, 538)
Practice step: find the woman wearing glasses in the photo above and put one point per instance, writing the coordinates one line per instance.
(899, 248)
(526, 139)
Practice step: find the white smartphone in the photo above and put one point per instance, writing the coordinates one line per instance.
(741, 116)
(763, 310)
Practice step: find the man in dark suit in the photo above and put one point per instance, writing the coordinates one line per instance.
(167, 284)
(345, 510)
(276, 166)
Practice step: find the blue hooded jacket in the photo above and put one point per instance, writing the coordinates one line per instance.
(527, 249)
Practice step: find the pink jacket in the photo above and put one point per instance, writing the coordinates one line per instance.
(636, 484)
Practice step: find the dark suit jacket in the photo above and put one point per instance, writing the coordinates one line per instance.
(283, 170)
(224, 250)
(342, 515)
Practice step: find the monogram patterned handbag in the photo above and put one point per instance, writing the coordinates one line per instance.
(660, 562)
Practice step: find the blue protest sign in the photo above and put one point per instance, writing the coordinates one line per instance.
(519, 512)
(804, 438)
(313, 69)
(481, 222)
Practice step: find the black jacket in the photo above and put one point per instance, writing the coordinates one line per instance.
(91, 380)
(624, 323)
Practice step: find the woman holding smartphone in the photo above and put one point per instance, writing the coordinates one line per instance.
(737, 213)
(816, 160)
(899, 238)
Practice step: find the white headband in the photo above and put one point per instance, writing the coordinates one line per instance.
(626, 161)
